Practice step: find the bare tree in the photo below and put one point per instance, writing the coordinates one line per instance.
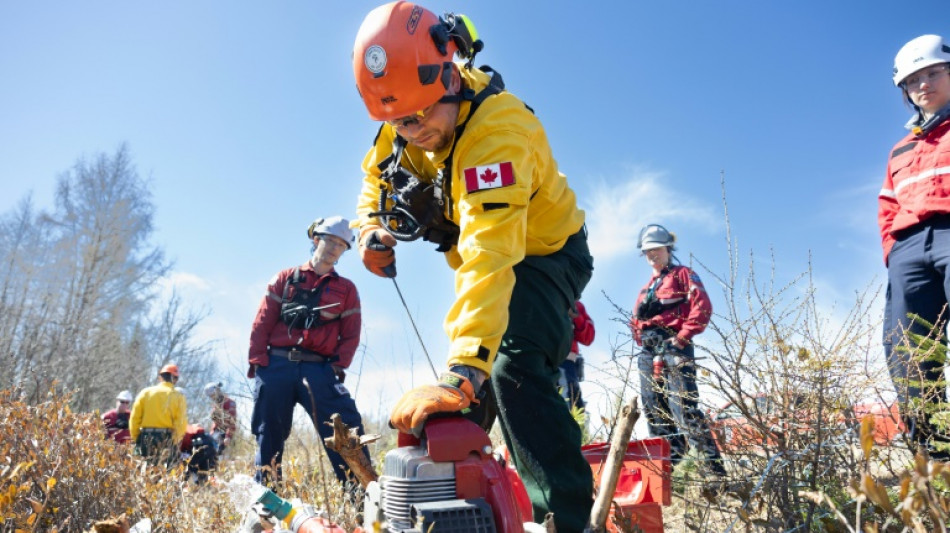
(78, 289)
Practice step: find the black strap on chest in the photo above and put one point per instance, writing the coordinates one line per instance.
(651, 306)
(495, 85)
(300, 311)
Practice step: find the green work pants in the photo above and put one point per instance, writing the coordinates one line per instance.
(543, 439)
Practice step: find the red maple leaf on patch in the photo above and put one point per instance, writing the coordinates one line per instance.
(488, 176)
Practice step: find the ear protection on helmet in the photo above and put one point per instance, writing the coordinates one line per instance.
(460, 30)
(312, 227)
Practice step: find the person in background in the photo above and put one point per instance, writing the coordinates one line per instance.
(914, 219)
(159, 419)
(303, 339)
(223, 416)
(198, 453)
(471, 164)
(117, 420)
(572, 369)
(671, 309)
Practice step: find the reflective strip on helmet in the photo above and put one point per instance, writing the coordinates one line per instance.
(925, 175)
(887, 193)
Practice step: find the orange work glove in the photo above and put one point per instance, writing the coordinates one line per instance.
(376, 251)
(452, 394)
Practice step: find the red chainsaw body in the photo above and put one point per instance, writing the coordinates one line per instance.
(643, 485)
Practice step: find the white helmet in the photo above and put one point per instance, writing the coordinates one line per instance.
(337, 226)
(654, 236)
(920, 53)
(212, 387)
(124, 396)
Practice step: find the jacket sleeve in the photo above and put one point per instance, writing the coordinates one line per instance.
(135, 418)
(492, 240)
(268, 314)
(179, 412)
(368, 200)
(887, 208)
(700, 307)
(583, 326)
(351, 322)
(636, 327)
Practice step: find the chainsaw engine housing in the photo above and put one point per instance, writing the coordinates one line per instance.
(446, 482)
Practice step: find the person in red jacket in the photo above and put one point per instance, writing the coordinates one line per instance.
(303, 339)
(198, 453)
(223, 416)
(671, 309)
(914, 217)
(572, 369)
(117, 420)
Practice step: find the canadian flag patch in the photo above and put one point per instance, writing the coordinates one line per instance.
(489, 176)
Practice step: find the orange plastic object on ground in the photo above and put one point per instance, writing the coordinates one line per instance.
(643, 487)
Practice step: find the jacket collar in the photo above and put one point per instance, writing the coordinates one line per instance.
(921, 127)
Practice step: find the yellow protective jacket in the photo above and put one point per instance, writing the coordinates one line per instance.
(531, 212)
(159, 406)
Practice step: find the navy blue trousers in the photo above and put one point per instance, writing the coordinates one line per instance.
(570, 385)
(284, 384)
(918, 284)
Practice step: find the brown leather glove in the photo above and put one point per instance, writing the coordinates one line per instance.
(453, 393)
(376, 251)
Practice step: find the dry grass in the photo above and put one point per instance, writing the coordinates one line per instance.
(59, 474)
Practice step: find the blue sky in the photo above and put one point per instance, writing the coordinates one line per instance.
(245, 119)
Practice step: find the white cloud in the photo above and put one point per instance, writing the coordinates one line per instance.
(617, 211)
(182, 281)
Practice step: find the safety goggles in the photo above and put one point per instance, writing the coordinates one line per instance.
(418, 117)
(929, 75)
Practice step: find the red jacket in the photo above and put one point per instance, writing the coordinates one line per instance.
(224, 417)
(191, 432)
(338, 338)
(687, 319)
(117, 425)
(916, 185)
(583, 329)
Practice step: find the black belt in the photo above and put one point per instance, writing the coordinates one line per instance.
(300, 354)
(155, 431)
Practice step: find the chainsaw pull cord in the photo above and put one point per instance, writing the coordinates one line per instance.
(390, 271)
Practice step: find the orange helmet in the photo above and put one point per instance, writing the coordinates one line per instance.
(398, 65)
(169, 369)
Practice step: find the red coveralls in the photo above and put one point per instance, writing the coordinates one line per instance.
(914, 217)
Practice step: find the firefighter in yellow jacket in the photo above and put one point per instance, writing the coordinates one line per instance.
(159, 419)
(466, 165)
